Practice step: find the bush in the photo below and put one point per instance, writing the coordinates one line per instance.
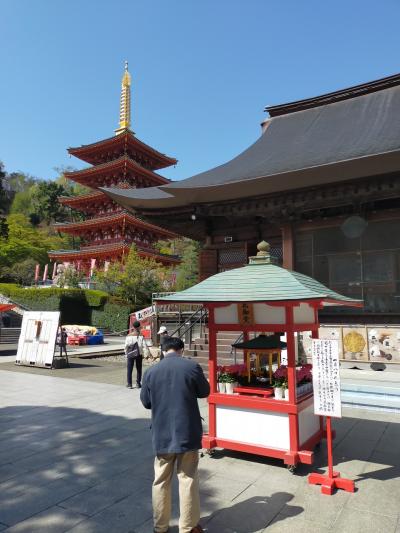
(112, 317)
(96, 298)
(77, 306)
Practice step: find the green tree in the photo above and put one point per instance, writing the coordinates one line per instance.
(70, 278)
(25, 242)
(19, 181)
(45, 202)
(22, 272)
(71, 188)
(3, 196)
(134, 280)
(188, 270)
(22, 202)
(3, 228)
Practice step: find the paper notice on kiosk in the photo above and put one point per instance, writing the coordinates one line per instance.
(326, 378)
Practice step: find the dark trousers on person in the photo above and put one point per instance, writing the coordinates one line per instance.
(130, 364)
(63, 347)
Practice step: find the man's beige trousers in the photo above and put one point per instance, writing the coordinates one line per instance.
(189, 500)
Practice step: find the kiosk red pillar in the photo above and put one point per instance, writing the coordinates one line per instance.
(291, 456)
(212, 376)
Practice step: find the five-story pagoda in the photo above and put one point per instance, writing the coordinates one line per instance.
(108, 231)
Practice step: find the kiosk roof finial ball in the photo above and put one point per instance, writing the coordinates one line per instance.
(263, 255)
(263, 248)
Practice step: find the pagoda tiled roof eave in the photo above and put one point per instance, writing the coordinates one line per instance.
(80, 175)
(70, 200)
(107, 249)
(67, 227)
(87, 149)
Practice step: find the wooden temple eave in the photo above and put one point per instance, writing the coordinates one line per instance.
(294, 204)
(122, 169)
(105, 221)
(81, 199)
(111, 252)
(124, 143)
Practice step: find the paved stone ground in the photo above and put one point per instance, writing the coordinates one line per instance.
(75, 455)
(110, 370)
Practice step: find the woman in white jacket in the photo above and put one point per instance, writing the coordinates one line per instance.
(135, 349)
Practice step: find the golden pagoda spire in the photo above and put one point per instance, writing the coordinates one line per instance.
(125, 105)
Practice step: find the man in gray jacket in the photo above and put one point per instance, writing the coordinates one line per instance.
(170, 389)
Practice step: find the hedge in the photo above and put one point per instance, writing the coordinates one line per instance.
(112, 317)
(77, 306)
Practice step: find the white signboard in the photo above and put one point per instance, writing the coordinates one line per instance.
(144, 313)
(326, 378)
(38, 338)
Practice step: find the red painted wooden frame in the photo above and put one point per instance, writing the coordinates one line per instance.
(298, 452)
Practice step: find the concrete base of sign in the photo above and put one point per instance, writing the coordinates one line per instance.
(60, 362)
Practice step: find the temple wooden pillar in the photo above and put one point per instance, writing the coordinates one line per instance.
(287, 246)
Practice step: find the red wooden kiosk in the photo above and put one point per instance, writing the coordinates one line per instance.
(262, 297)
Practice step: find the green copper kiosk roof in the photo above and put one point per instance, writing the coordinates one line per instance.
(260, 281)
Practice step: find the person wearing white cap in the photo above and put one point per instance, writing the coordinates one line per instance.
(163, 337)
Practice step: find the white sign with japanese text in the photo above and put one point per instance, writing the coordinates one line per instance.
(326, 377)
(144, 313)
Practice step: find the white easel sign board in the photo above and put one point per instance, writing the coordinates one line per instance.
(38, 338)
(326, 378)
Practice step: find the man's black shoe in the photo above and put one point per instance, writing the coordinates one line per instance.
(129, 386)
(139, 385)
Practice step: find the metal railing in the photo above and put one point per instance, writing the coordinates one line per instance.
(198, 318)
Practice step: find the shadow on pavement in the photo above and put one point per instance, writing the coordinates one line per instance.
(73, 469)
(252, 515)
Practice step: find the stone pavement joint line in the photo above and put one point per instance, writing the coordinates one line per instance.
(75, 455)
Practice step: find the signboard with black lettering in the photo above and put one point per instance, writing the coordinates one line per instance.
(326, 378)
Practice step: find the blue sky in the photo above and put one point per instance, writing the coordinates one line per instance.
(202, 70)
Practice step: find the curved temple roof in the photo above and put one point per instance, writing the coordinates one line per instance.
(336, 141)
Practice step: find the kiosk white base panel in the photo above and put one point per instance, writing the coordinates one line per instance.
(252, 426)
(308, 424)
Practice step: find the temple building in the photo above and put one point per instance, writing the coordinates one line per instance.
(108, 231)
(321, 185)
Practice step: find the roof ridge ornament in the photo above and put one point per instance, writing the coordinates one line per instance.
(125, 103)
(263, 256)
